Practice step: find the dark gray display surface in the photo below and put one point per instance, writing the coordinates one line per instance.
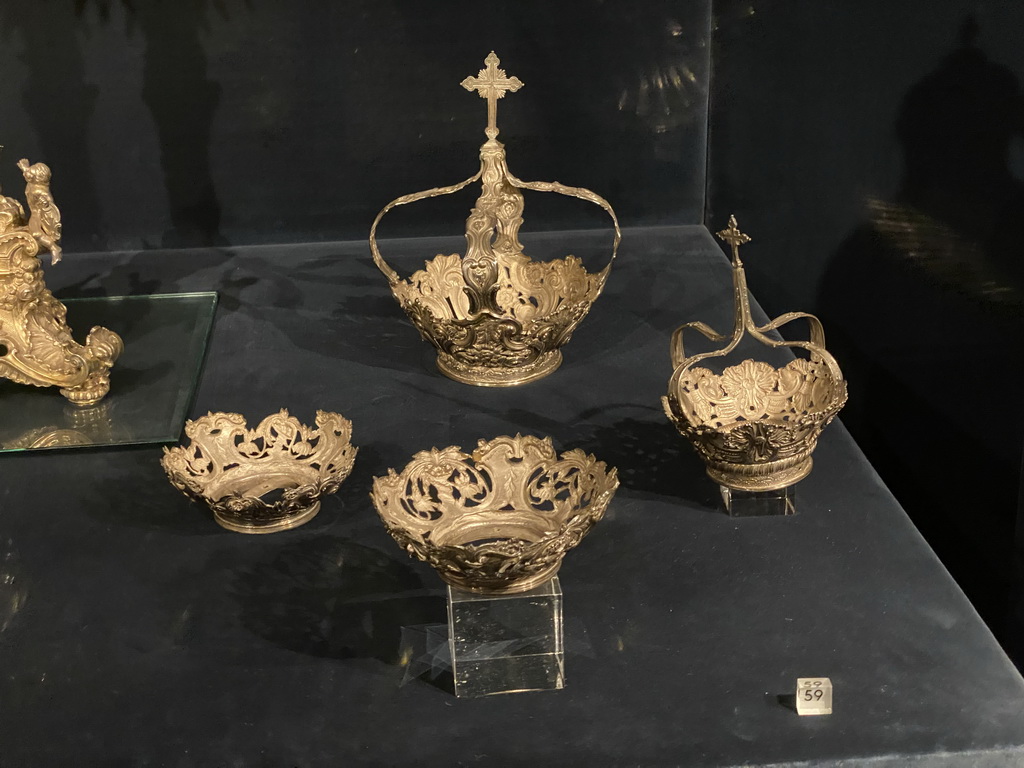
(149, 636)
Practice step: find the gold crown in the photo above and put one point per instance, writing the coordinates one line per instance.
(496, 317)
(499, 520)
(754, 425)
(266, 479)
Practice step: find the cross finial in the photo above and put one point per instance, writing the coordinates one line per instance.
(491, 84)
(735, 238)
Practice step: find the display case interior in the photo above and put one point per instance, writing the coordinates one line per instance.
(243, 147)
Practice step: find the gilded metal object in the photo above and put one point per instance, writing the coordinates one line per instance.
(496, 317)
(754, 425)
(266, 479)
(499, 520)
(36, 346)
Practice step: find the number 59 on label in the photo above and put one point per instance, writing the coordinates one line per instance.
(813, 696)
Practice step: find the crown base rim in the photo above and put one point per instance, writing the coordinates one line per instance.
(274, 526)
(484, 376)
(738, 477)
(469, 584)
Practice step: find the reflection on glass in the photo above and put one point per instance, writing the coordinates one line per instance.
(948, 257)
(81, 426)
(666, 92)
(165, 338)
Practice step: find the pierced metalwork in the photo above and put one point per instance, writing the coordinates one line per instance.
(496, 317)
(266, 479)
(36, 345)
(498, 520)
(754, 425)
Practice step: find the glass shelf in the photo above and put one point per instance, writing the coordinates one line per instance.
(152, 383)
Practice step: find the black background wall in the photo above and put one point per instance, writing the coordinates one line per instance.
(875, 152)
(224, 121)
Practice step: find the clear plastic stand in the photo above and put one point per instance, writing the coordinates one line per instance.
(759, 503)
(506, 643)
(424, 654)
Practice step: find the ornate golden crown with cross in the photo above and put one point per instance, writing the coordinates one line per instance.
(754, 425)
(496, 317)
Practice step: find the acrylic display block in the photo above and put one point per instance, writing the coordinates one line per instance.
(759, 503)
(813, 696)
(151, 384)
(506, 643)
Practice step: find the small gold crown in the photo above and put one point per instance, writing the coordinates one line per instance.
(496, 317)
(754, 425)
(500, 520)
(266, 479)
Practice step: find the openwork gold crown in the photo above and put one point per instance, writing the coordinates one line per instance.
(754, 425)
(498, 520)
(266, 479)
(496, 317)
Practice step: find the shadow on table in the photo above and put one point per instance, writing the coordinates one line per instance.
(145, 273)
(787, 700)
(330, 597)
(138, 495)
(346, 317)
(374, 331)
(653, 459)
(354, 492)
(357, 327)
(167, 271)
